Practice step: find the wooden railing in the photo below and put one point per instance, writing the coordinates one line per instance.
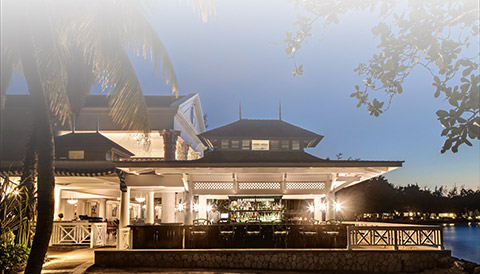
(394, 236)
(79, 233)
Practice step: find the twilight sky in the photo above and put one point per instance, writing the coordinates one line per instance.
(238, 56)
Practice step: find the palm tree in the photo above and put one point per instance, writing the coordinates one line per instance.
(51, 42)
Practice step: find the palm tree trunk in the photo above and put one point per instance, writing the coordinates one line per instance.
(45, 149)
(27, 187)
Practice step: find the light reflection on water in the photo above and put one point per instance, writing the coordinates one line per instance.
(463, 240)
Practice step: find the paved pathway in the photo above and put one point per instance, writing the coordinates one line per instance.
(68, 261)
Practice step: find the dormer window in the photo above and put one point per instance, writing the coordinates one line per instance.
(224, 144)
(295, 145)
(245, 144)
(260, 145)
(235, 144)
(274, 145)
(76, 154)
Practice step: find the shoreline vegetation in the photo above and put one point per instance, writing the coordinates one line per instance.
(378, 200)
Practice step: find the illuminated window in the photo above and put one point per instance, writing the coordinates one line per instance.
(295, 145)
(260, 145)
(76, 154)
(235, 144)
(224, 144)
(245, 144)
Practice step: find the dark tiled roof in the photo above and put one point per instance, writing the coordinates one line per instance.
(262, 129)
(90, 140)
(257, 157)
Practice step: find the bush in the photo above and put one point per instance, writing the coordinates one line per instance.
(12, 256)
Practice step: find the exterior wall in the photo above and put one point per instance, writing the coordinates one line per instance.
(366, 261)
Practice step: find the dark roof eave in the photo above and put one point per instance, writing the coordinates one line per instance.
(323, 163)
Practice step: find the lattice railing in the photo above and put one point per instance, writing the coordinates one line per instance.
(124, 239)
(305, 185)
(79, 233)
(259, 185)
(394, 236)
(213, 185)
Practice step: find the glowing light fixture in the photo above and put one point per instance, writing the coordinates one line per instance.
(140, 198)
(180, 207)
(196, 207)
(311, 208)
(323, 206)
(72, 201)
(338, 206)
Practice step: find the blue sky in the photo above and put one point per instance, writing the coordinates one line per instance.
(238, 56)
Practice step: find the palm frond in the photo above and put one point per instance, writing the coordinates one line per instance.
(205, 8)
(51, 55)
(144, 40)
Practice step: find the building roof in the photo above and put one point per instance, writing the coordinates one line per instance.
(257, 157)
(216, 159)
(89, 140)
(262, 129)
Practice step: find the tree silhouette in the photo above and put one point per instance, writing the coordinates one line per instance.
(440, 37)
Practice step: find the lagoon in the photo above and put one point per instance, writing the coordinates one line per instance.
(463, 239)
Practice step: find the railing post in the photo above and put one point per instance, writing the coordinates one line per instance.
(349, 244)
(395, 236)
(93, 234)
(441, 247)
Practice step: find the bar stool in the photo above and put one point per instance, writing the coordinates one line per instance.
(308, 233)
(198, 231)
(280, 233)
(227, 233)
(253, 230)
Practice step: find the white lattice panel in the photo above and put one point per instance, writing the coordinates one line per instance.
(213, 185)
(305, 185)
(258, 185)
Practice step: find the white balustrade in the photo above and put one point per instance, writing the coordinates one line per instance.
(124, 238)
(79, 233)
(394, 236)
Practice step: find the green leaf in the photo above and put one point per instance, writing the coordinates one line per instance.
(442, 113)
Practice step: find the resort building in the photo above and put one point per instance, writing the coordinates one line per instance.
(243, 172)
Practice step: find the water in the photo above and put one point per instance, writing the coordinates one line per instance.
(463, 240)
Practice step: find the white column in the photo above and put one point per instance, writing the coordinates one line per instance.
(150, 218)
(188, 218)
(330, 201)
(102, 207)
(168, 207)
(58, 199)
(318, 213)
(202, 202)
(125, 208)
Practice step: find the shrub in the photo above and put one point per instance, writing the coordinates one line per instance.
(12, 256)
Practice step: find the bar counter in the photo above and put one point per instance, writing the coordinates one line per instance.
(238, 235)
